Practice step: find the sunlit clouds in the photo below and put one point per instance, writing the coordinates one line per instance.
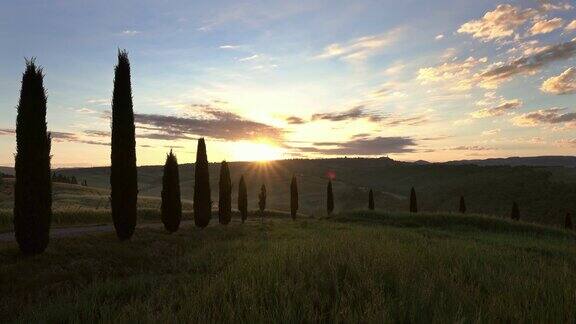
(303, 79)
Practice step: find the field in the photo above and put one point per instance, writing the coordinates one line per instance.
(358, 266)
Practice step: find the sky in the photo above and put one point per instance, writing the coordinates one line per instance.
(412, 80)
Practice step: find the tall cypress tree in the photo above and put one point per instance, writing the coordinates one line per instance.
(293, 197)
(413, 202)
(243, 199)
(329, 198)
(123, 173)
(462, 207)
(171, 208)
(202, 200)
(33, 186)
(568, 221)
(371, 200)
(515, 215)
(262, 199)
(225, 195)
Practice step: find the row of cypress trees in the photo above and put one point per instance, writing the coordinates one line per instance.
(33, 185)
(171, 206)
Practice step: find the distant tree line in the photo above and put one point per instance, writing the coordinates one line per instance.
(33, 185)
(61, 178)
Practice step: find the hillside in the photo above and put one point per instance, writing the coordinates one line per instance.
(354, 267)
(544, 194)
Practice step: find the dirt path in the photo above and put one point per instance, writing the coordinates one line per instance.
(90, 229)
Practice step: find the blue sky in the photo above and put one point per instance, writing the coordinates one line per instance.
(434, 80)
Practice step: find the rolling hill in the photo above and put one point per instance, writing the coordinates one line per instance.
(544, 194)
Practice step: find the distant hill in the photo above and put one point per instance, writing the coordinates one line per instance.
(544, 193)
(546, 161)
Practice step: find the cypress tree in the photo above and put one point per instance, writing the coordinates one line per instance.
(202, 200)
(329, 198)
(293, 197)
(568, 221)
(371, 200)
(262, 199)
(171, 208)
(243, 199)
(413, 202)
(33, 186)
(123, 173)
(225, 195)
(515, 215)
(462, 207)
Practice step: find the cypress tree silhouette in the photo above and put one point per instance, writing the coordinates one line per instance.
(243, 199)
(329, 198)
(33, 186)
(413, 201)
(462, 207)
(515, 211)
(202, 200)
(371, 200)
(262, 199)
(123, 173)
(293, 197)
(225, 195)
(171, 208)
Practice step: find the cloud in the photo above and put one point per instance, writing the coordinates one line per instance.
(470, 148)
(249, 58)
(130, 32)
(546, 26)
(293, 120)
(86, 111)
(571, 26)
(528, 64)
(364, 146)
(546, 116)
(562, 84)
(213, 123)
(60, 137)
(499, 23)
(491, 132)
(457, 73)
(439, 37)
(499, 110)
(547, 5)
(357, 112)
(6, 131)
(361, 48)
(230, 47)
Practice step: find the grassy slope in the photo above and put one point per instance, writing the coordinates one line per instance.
(544, 194)
(361, 266)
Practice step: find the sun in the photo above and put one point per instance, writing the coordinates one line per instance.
(256, 151)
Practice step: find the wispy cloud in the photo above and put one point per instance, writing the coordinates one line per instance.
(528, 64)
(129, 32)
(501, 109)
(214, 123)
(360, 49)
(363, 146)
(546, 116)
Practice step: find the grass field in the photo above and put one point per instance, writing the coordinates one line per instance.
(360, 266)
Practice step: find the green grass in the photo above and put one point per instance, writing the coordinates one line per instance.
(367, 267)
(87, 216)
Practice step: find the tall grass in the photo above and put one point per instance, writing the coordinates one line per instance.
(305, 271)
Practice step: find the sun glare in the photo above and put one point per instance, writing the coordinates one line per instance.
(250, 151)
